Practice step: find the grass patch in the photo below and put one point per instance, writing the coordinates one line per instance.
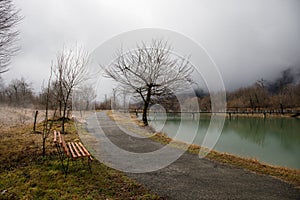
(25, 174)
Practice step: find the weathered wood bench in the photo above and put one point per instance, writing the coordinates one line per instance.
(70, 150)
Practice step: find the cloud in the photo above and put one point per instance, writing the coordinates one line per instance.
(248, 40)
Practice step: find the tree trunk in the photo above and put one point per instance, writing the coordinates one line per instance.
(281, 108)
(146, 105)
(60, 107)
(87, 105)
(63, 125)
(145, 120)
(63, 119)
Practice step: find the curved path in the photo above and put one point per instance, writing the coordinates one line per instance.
(188, 177)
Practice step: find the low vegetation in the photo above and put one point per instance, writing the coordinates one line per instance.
(25, 174)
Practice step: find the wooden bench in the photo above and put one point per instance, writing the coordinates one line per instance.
(70, 150)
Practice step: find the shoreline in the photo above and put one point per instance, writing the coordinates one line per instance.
(288, 175)
(262, 115)
(233, 115)
(285, 174)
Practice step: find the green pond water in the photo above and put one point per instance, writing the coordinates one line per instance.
(275, 141)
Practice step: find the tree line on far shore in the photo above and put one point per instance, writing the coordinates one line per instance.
(280, 95)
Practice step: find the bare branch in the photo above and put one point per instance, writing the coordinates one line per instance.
(70, 71)
(150, 71)
(9, 17)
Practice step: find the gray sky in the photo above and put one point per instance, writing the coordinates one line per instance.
(247, 39)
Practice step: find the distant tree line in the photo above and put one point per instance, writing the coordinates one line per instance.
(18, 92)
(279, 95)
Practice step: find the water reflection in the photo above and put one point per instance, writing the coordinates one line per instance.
(272, 140)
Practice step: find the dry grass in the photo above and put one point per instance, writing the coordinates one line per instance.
(14, 117)
(25, 174)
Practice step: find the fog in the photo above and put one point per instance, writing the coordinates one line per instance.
(248, 40)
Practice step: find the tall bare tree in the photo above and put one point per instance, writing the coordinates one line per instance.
(150, 71)
(9, 17)
(70, 71)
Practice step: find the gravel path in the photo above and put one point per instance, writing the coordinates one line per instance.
(188, 177)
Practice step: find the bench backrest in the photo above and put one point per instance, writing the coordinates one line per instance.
(59, 139)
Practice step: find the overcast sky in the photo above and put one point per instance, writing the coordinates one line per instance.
(247, 39)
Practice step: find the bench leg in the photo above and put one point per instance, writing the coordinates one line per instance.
(61, 157)
(67, 167)
(89, 164)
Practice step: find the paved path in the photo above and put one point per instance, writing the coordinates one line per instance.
(188, 177)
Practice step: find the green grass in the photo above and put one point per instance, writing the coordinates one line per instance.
(25, 174)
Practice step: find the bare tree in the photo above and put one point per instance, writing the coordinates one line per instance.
(70, 71)
(56, 95)
(84, 98)
(150, 71)
(9, 17)
(52, 100)
(47, 125)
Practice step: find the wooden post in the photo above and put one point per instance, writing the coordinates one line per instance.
(35, 117)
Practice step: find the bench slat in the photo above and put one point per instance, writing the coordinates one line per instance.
(80, 149)
(84, 149)
(72, 151)
(54, 140)
(64, 145)
(75, 149)
(59, 137)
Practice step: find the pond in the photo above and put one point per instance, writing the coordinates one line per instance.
(275, 141)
